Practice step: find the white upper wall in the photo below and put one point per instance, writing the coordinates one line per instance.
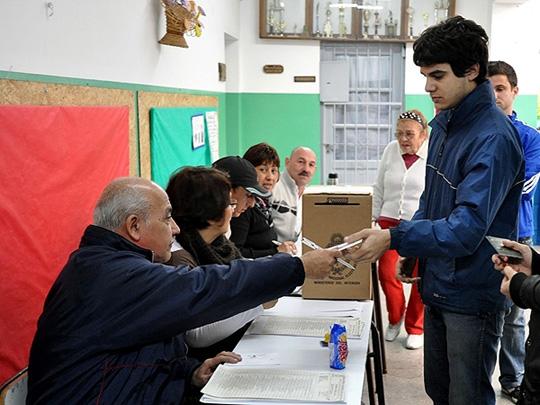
(514, 39)
(479, 10)
(117, 41)
(298, 57)
(113, 40)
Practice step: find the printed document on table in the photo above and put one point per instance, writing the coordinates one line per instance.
(302, 326)
(276, 384)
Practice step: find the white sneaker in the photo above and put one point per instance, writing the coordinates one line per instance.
(414, 342)
(392, 331)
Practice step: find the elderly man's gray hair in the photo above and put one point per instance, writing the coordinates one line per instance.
(123, 197)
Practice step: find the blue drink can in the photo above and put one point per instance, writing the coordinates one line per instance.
(338, 346)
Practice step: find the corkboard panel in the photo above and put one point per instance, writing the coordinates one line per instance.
(146, 101)
(36, 93)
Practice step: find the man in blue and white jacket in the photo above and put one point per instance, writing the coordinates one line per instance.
(504, 80)
(474, 177)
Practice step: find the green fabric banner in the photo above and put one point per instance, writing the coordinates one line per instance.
(171, 142)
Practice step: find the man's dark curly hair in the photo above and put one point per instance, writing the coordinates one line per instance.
(459, 42)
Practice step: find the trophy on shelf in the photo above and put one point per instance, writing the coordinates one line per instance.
(342, 28)
(376, 24)
(425, 17)
(317, 30)
(327, 29)
(276, 23)
(410, 13)
(441, 10)
(366, 14)
(390, 25)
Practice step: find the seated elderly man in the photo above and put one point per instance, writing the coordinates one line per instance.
(112, 326)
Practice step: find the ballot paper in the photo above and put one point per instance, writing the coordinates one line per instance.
(276, 384)
(302, 326)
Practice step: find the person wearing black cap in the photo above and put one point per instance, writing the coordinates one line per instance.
(243, 177)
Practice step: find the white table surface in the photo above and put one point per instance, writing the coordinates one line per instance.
(306, 352)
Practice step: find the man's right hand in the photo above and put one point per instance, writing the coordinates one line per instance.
(318, 263)
(202, 374)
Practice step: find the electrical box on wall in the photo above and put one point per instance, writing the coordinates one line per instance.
(334, 81)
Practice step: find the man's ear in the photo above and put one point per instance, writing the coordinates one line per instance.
(472, 72)
(515, 90)
(133, 227)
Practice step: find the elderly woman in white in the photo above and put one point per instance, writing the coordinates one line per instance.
(400, 182)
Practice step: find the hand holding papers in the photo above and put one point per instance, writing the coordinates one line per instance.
(375, 243)
(309, 243)
(318, 263)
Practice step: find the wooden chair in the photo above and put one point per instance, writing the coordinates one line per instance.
(14, 390)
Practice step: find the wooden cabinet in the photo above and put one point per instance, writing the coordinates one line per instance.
(357, 20)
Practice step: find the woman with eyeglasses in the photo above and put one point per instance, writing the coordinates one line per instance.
(400, 183)
(202, 207)
(253, 232)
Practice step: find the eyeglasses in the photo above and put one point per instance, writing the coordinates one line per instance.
(283, 209)
(407, 135)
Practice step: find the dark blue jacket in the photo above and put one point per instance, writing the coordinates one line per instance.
(474, 177)
(111, 331)
(530, 139)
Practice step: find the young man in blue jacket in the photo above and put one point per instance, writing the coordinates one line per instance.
(512, 352)
(112, 327)
(474, 177)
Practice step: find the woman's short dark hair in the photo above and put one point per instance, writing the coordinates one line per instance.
(262, 153)
(459, 42)
(198, 195)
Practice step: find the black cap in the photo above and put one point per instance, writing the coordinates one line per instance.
(242, 173)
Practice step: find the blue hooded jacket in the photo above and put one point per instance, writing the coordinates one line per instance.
(474, 177)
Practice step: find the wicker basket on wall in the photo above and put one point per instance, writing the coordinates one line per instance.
(178, 21)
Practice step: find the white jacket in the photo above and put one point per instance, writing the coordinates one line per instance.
(398, 189)
(287, 223)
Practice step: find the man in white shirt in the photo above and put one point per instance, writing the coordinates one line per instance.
(287, 194)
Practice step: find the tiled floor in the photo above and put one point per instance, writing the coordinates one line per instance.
(403, 383)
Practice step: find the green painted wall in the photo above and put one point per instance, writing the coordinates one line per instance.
(525, 106)
(420, 102)
(285, 121)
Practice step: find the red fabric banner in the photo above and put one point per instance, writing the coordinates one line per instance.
(54, 162)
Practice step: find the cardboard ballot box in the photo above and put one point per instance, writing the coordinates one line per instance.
(329, 213)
